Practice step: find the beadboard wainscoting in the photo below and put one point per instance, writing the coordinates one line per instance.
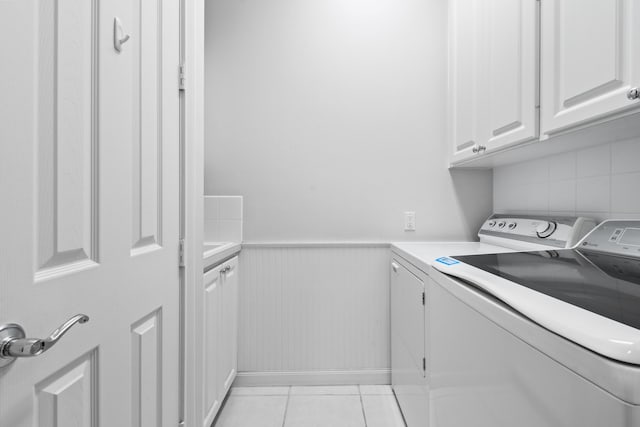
(314, 314)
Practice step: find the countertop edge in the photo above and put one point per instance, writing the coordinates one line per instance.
(217, 255)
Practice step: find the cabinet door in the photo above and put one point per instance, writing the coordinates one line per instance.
(509, 89)
(407, 322)
(407, 343)
(211, 300)
(590, 60)
(229, 347)
(465, 18)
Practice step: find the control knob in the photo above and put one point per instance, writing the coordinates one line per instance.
(545, 229)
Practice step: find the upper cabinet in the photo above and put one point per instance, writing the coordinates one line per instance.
(493, 74)
(464, 56)
(509, 110)
(525, 70)
(590, 60)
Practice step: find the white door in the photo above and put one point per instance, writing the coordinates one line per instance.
(89, 180)
(510, 73)
(590, 59)
(465, 18)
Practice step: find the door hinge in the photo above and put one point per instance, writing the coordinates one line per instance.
(424, 299)
(182, 77)
(424, 364)
(181, 253)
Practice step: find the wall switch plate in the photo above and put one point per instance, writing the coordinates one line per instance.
(409, 221)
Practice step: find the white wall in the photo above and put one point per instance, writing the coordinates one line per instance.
(600, 182)
(329, 118)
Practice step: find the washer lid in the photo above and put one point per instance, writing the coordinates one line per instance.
(603, 284)
(590, 298)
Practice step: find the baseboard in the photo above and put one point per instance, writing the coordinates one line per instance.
(369, 377)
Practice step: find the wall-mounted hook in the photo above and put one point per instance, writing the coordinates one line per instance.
(119, 36)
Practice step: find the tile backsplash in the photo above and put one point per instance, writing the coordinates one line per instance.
(222, 218)
(600, 182)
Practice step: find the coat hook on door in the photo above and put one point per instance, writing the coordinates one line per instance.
(119, 37)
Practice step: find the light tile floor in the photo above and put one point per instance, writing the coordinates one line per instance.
(311, 406)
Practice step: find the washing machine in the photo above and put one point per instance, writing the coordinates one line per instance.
(412, 321)
(538, 338)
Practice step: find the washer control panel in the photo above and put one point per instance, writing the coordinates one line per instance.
(620, 237)
(554, 231)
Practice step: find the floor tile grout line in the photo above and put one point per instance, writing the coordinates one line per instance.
(360, 391)
(286, 407)
(364, 415)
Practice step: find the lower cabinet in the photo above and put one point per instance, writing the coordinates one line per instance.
(408, 339)
(219, 335)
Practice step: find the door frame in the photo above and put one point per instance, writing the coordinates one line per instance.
(192, 196)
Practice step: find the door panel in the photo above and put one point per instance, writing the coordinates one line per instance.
(147, 131)
(408, 316)
(77, 193)
(408, 345)
(230, 323)
(465, 51)
(212, 347)
(64, 116)
(68, 397)
(589, 64)
(602, 25)
(146, 354)
(511, 73)
(219, 336)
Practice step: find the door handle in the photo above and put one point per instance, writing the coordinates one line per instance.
(13, 343)
(119, 37)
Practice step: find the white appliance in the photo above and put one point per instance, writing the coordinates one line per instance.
(542, 338)
(412, 321)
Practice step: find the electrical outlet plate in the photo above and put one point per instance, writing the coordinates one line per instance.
(409, 221)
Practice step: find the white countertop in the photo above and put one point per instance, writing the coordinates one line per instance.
(215, 252)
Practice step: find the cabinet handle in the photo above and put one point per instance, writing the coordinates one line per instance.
(633, 94)
(226, 269)
(395, 266)
(478, 148)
